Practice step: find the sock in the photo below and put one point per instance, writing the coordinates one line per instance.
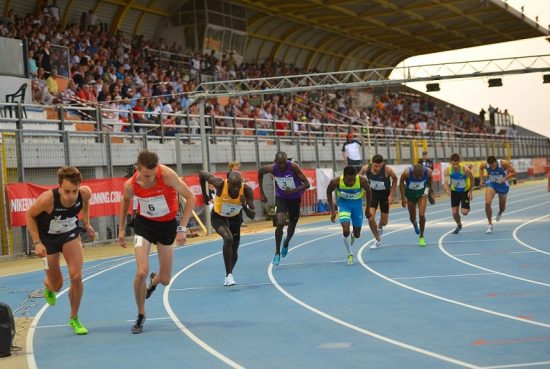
(347, 242)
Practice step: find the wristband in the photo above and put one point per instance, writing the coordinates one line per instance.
(181, 229)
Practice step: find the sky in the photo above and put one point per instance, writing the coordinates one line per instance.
(525, 96)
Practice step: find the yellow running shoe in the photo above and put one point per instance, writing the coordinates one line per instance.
(49, 296)
(422, 242)
(78, 328)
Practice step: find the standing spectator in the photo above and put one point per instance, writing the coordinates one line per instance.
(351, 152)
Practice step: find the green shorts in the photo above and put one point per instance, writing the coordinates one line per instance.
(413, 195)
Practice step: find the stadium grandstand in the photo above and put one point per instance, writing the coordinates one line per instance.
(202, 82)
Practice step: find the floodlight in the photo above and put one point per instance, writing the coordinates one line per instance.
(431, 87)
(495, 82)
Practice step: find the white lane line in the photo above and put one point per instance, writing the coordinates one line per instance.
(515, 235)
(359, 329)
(183, 327)
(443, 250)
(443, 276)
(31, 362)
(519, 365)
(126, 320)
(220, 287)
(441, 298)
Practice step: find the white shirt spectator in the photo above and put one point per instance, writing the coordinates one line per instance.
(352, 149)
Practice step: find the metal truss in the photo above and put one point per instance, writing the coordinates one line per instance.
(374, 77)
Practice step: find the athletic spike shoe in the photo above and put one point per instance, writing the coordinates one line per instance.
(138, 327)
(498, 217)
(489, 229)
(151, 287)
(284, 250)
(416, 229)
(350, 259)
(229, 280)
(457, 229)
(422, 242)
(49, 296)
(276, 260)
(376, 245)
(78, 328)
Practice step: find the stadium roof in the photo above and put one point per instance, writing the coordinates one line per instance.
(346, 35)
(331, 35)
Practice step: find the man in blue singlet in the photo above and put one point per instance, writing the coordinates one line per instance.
(290, 184)
(414, 185)
(350, 188)
(459, 183)
(498, 174)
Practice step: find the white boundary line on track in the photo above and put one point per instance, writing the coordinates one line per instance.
(514, 234)
(359, 329)
(443, 276)
(444, 251)
(183, 327)
(391, 280)
(520, 365)
(31, 362)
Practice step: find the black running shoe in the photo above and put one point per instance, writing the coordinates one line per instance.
(138, 327)
(151, 287)
(457, 229)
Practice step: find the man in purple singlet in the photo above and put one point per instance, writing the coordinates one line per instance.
(290, 184)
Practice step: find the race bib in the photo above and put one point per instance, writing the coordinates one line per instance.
(230, 210)
(59, 226)
(285, 182)
(153, 207)
(458, 183)
(416, 185)
(348, 196)
(496, 178)
(377, 185)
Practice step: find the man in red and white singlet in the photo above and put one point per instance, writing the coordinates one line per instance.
(156, 188)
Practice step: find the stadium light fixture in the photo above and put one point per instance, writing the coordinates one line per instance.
(432, 87)
(546, 78)
(495, 82)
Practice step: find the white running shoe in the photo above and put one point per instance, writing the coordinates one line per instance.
(376, 245)
(229, 281)
(499, 216)
(489, 229)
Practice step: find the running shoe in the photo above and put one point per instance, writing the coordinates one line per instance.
(422, 242)
(276, 260)
(376, 245)
(352, 240)
(416, 229)
(489, 229)
(457, 229)
(151, 287)
(78, 328)
(499, 216)
(229, 280)
(49, 296)
(138, 327)
(350, 259)
(284, 250)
